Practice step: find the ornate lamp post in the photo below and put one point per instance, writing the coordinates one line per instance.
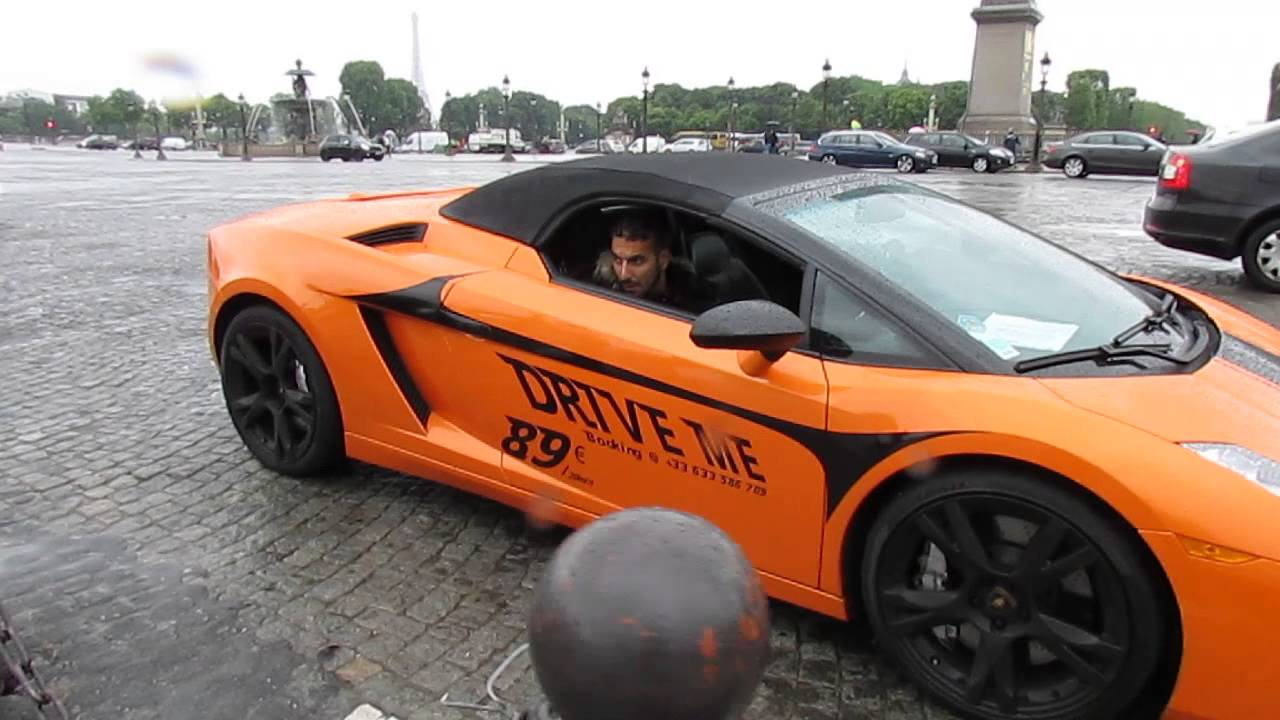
(826, 81)
(644, 113)
(506, 116)
(733, 114)
(1044, 81)
(791, 126)
(155, 120)
(244, 131)
(599, 139)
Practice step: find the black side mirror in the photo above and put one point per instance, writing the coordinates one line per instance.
(749, 325)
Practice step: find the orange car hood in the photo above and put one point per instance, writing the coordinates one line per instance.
(1221, 402)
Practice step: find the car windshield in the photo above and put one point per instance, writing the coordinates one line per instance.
(1017, 294)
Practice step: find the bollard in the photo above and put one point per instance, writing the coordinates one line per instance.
(648, 613)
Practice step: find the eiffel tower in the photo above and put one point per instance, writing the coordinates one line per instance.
(418, 80)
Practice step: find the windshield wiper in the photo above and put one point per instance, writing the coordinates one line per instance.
(1118, 347)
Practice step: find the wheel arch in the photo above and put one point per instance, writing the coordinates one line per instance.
(1250, 226)
(857, 532)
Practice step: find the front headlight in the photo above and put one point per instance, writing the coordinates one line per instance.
(1248, 464)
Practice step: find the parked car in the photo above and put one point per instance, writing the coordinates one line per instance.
(1106, 152)
(1222, 199)
(653, 144)
(174, 142)
(956, 149)
(99, 142)
(869, 149)
(348, 147)
(689, 144)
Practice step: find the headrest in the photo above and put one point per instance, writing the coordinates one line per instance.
(710, 253)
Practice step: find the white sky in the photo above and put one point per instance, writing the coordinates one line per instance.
(1210, 59)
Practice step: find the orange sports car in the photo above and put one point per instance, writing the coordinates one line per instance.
(1049, 490)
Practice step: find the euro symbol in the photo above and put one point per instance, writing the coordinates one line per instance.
(580, 453)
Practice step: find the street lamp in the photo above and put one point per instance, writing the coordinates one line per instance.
(644, 113)
(244, 130)
(155, 120)
(599, 140)
(733, 113)
(506, 116)
(791, 126)
(933, 111)
(826, 81)
(1044, 81)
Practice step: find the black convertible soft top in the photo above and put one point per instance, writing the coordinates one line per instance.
(520, 205)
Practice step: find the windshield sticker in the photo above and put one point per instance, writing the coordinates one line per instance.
(978, 330)
(1027, 333)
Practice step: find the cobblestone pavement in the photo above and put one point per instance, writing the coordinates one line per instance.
(160, 573)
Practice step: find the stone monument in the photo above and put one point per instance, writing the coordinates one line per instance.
(1273, 105)
(1000, 87)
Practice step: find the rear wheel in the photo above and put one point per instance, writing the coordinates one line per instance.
(1007, 597)
(1261, 257)
(829, 159)
(981, 164)
(279, 394)
(906, 164)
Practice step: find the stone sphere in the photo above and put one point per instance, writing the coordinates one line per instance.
(649, 613)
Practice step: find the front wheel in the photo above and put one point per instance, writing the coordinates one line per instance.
(829, 159)
(1008, 597)
(279, 394)
(981, 164)
(906, 164)
(1261, 257)
(1075, 167)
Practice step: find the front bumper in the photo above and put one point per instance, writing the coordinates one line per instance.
(1229, 668)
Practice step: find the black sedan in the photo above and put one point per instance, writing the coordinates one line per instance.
(869, 149)
(955, 149)
(1107, 152)
(349, 147)
(1222, 199)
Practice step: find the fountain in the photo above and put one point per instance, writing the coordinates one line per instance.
(294, 124)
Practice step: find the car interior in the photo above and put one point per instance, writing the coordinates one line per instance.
(732, 265)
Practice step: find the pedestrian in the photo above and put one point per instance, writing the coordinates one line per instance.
(771, 140)
(1012, 142)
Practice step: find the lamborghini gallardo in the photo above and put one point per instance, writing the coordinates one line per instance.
(1049, 490)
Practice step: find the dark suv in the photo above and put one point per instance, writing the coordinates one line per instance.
(955, 149)
(350, 147)
(1222, 199)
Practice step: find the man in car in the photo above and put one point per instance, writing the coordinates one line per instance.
(639, 262)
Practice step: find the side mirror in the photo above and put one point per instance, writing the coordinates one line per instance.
(758, 325)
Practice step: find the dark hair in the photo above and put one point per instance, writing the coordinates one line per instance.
(642, 225)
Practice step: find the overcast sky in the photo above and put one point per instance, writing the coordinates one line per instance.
(1210, 59)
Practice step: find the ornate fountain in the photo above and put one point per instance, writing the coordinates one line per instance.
(294, 124)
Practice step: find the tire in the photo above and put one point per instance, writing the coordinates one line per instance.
(326, 158)
(1090, 582)
(906, 164)
(1261, 257)
(378, 158)
(1075, 167)
(829, 159)
(274, 382)
(981, 164)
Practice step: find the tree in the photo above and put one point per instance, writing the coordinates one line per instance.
(401, 107)
(581, 122)
(953, 100)
(363, 81)
(222, 112)
(1120, 107)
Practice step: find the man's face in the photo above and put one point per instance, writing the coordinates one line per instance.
(637, 265)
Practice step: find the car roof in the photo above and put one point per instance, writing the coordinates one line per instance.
(520, 205)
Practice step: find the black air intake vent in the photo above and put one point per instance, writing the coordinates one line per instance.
(411, 232)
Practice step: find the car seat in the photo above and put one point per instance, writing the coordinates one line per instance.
(729, 277)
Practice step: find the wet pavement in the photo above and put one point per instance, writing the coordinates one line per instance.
(158, 572)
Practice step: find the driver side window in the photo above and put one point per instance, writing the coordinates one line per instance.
(847, 328)
(709, 264)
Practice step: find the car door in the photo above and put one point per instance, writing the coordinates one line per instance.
(952, 152)
(873, 153)
(608, 404)
(1100, 151)
(1135, 155)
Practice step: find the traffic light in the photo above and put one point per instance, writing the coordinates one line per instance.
(50, 123)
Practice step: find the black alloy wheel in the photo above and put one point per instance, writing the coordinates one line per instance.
(1007, 597)
(279, 394)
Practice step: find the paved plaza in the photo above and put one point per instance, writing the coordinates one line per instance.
(158, 572)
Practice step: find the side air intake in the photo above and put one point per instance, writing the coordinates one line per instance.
(411, 232)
